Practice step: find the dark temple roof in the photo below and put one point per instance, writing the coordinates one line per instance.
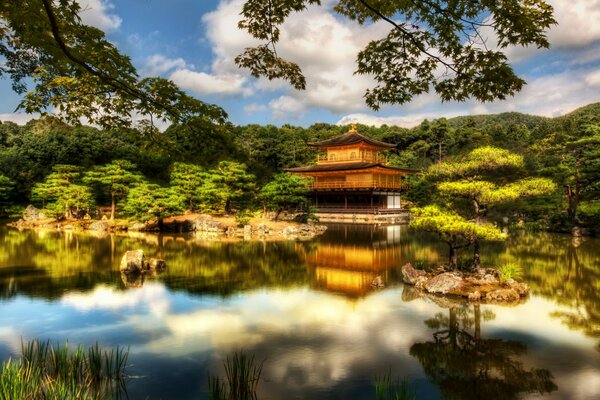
(346, 167)
(351, 137)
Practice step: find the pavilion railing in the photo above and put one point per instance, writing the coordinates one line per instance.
(367, 184)
(328, 158)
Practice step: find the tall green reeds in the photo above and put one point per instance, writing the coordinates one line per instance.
(386, 388)
(45, 371)
(242, 374)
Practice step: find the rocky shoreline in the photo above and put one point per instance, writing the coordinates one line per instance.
(482, 286)
(202, 225)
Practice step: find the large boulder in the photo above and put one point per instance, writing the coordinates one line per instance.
(99, 226)
(410, 275)
(206, 223)
(444, 283)
(32, 214)
(503, 296)
(132, 262)
(521, 288)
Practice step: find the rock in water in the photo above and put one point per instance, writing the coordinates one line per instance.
(32, 214)
(378, 282)
(132, 262)
(410, 275)
(157, 264)
(443, 283)
(503, 295)
(100, 226)
(475, 296)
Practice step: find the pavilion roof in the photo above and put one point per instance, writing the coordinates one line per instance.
(351, 137)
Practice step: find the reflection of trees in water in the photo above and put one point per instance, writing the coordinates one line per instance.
(48, 263)
(564, 270)
(466, 366)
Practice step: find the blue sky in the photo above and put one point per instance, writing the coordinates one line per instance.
(194, 42)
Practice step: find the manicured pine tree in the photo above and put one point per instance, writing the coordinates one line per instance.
(61, 194)
(115, 179)
(284, 190)
(453, 229)
(228, 184)
(473, 178)
(147, 201)
(186, 179)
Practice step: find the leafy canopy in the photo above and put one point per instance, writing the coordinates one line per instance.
(147, 201)
(79, 73)
(451, 227)
(432, 44)
(186, 179)
(284, 190)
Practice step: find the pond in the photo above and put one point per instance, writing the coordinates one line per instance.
(308, 309)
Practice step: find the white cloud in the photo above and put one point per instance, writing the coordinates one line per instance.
(285, 106)
(18, 118)
(577, 23)
(593, 79)
(255, 107)
(203, 83)
(158, 64)
(98, 13)
(406, 121)
(324, 46)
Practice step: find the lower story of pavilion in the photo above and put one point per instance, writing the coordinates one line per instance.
(365, 201)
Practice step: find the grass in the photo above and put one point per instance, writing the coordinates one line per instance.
(46, 371)
(242, 374)
(510, 271)
(387, 388)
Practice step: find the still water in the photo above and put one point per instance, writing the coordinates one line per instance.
(309, 311)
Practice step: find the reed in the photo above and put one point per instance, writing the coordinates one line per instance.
(242, 374)
(46, 371)
(386, 388)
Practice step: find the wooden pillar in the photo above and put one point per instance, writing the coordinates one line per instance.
(345, 200)
(371, 200)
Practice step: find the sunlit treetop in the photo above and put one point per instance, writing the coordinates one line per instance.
(78, 74)
(476, 162)
(432, 45)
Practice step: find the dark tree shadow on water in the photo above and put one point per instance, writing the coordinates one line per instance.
(465, 366)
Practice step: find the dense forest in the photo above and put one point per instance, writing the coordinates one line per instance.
(245, 161)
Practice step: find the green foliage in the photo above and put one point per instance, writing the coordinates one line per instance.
(186, 179)
(510, 271)
(452, 227)
(6, 185)
(226, 186)
(285, 190)
(78, 72)
(45, 371)
(424, 37)
(478, 161)
(388, 389)
(62, 195)
(147, 201)
(489, 193)
(113, 179)
(242, 377)
(242, 217)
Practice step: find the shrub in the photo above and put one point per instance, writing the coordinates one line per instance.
(510, 271)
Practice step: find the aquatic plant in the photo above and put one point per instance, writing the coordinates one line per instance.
(242, 376)
(46, 371)
(510, 271)
(386, 388)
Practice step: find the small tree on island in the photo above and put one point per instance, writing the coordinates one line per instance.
(186, 179)
(115, 179)
(60, 193)
(453, 229)
(147, 201)
(472, 179)
(285, 190)
(225, 185)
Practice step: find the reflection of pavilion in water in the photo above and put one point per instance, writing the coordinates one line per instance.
(354, 259)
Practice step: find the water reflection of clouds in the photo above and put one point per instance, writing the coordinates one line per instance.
(153, 296)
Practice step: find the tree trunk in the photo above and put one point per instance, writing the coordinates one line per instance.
(477, 318)
(113, 205)
(476, 255)
(277, 214)
(452, 257)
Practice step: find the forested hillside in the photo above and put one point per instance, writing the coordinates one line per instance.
(565, 149)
